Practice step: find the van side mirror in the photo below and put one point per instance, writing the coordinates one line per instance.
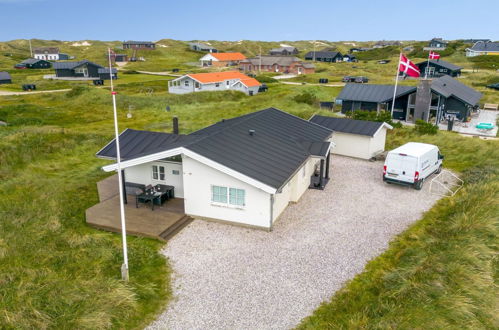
(440, 156)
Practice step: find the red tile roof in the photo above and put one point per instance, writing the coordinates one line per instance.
(214, 77)
(228, 56)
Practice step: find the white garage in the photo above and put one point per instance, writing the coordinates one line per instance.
(355, 138)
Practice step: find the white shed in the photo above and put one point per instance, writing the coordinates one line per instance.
(355, 138)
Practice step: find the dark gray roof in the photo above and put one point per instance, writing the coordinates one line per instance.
(201, 45)
(281, 143)
(72, 65)
(272, 59)
(322, 54)
(345, 125)
(443, 63)
(372, 93)
(31, 61)
(106, 70)
(4, 75)
(448, 86)
(48, 50)
(486, 46)
(280, 49)
(132, 42)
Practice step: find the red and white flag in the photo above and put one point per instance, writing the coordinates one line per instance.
(433, 55)
(407, 67)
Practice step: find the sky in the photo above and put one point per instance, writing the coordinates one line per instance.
(271, 20)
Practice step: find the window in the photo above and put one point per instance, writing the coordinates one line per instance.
(186, 83)
(158, 172)
(236, 196)
(227, 82)
(196, 84)
(219, 194)
(175, 172)
(217, 84)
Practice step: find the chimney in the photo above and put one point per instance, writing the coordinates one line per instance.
(423, 100)
(175, 125)
(251, 132)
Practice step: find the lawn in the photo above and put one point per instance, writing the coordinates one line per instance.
(442, 271)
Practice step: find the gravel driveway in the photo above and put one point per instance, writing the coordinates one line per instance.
(228, 277)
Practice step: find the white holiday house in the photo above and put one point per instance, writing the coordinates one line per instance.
(243, 170)
(214, 81)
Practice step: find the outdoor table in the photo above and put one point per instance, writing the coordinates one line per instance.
(151, 196)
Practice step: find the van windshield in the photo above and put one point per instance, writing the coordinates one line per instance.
(403, 163)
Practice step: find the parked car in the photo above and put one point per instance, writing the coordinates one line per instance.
(20, 66)
(348, 79)
(412, 163)
(493, 86)
(263, 88)
(361, 80)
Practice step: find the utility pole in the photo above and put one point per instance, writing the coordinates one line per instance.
(260, 66)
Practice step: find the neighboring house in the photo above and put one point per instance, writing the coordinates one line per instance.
(244, 170)
(386, 43)
(473, 41)
(118, 57)
(104, 73)
(5, 78)
(216, 81)
(139, 45)
(359, 49)
(200, 47)
(283, 51)
(324, 56)
(437, 68)
(80, 69)
(33, 63)
(49, 54)
(221, 59)
(436, 44)
(349, 58)
(483, 48)
(448, 96)
(284, 64)
(355, 138)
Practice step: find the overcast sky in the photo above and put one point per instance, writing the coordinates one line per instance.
(270, 20)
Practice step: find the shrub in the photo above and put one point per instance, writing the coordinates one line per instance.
(423, 127)
(77, 91)
(485, 62)
(265, 79)
(382, 116)
(306, 97)
(378, 53)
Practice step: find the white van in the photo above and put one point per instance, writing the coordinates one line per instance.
(412, 163)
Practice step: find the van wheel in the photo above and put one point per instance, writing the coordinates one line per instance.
(419, 184)
(439, 170)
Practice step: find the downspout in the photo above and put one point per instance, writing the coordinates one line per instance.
(271, 211)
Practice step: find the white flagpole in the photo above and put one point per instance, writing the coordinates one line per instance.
(124, 267)
(396, 84)
(427, 66)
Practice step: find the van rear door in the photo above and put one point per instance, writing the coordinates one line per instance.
(401, 167)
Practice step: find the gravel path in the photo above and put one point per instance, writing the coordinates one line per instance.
(228, 277)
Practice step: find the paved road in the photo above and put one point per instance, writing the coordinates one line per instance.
(8, 93)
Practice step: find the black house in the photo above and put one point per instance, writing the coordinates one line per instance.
(147, 45)
(324, 56)
(437, 43)
(33, 63)
(5, 78)
(80, 69)
(438, 68)
(448, 96)
(104, 73)
(284, 51)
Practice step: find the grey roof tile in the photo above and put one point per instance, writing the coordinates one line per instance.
(372, 92)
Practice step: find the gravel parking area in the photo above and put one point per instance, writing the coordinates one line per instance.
(228, 277)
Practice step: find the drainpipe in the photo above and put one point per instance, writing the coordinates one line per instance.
(271, 210)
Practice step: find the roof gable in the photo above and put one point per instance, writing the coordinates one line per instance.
(442, 63)
(4, 75)
(448, 86)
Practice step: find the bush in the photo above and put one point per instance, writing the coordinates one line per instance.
(423, 127)
(378, 53)
(77, 91)
(265, 79)
(485, 62)
(306, 97)
(382, 116)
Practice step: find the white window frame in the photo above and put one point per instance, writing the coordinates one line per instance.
(228, 196)
(156, 171)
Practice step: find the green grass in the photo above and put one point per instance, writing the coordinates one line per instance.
(441, 273)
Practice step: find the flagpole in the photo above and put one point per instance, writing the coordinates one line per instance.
(427, 66)
(124, 267)
(396, 84)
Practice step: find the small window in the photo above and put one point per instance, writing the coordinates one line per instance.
(219, 194)
(227, 82)
(175, 172)
(217, 84)
(236, 196)
(158, 172)
(186, 83)
(197, 84)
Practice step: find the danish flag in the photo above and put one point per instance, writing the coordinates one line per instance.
(407, 67)
(433, 55)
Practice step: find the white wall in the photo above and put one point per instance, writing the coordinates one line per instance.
(351, 145)
(377, 144)
(143, 174)
(198, 179)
